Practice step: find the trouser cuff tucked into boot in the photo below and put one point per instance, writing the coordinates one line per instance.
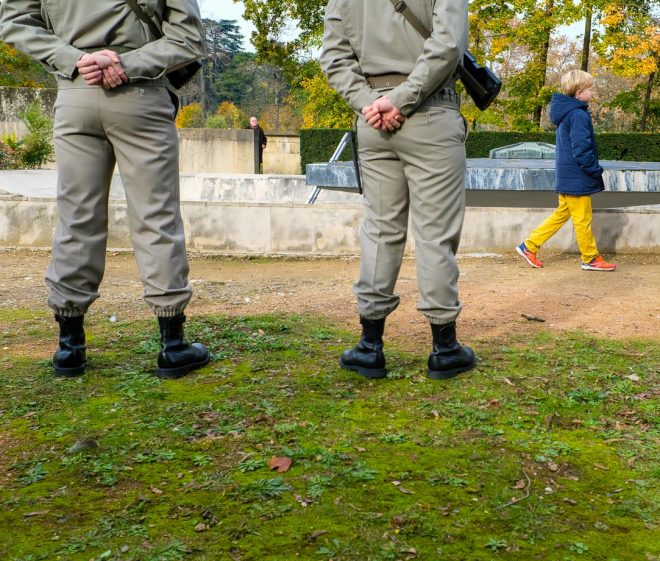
(177, 357)
(367, 357)
(448, 358)
(69, 360)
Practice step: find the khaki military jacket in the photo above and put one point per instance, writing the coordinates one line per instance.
(368, 38)
(58, 32)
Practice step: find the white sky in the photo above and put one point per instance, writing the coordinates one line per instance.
(227, 9)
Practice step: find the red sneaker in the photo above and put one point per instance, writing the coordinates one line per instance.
(528, 256)
(598, 264)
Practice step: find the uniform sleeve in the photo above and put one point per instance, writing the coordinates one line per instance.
(182, 43)
(23, 27)
(582, 148)
(340, 64)
(443, 50)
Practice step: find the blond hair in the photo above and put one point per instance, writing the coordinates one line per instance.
(576, 80)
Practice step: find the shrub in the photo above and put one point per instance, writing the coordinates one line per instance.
(216, 122)
(318, 145)
(37, 146)
(233, 116)
(190, 117)
(8, 157)
(33, 150)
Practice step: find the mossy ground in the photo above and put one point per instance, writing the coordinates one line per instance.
(548, 450)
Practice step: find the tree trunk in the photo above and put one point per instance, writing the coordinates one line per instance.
(543, 58)
(586, 42)
(202, 91)
(647, 102)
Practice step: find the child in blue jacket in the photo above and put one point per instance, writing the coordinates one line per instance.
(578, 175)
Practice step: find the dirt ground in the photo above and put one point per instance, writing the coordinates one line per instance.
(496, 290)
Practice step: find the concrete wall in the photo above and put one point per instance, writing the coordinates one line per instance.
(282, 154)
(232, 151)
(262, 215)
(13, 100)
(216, 151)
(326, 229)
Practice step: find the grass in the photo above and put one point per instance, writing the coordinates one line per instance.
(547, 451)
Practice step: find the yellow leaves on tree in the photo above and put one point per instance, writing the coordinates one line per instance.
(631, 41)
(324, 107)
(190, 117)
(233, 116)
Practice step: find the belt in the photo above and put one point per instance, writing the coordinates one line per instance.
(386, 80)
(446, 96)
(115, 48)
(79, 82)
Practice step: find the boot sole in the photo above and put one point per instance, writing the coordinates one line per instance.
(181, 371)
(68, 372)
(371, 373)
(449, 374)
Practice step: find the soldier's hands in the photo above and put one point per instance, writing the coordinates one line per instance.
(102, 68)
(382, 114)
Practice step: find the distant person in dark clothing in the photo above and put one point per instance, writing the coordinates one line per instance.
(263, 140)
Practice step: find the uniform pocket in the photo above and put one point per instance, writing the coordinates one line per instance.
(467, 128)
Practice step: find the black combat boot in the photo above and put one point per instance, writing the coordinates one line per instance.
(449, 358)
(367, 358)
(69, 360)
(177, 357)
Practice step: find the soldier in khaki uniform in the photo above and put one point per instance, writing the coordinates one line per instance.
(113, 108)
(411, 139)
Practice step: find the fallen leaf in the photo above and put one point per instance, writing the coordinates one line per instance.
(201, 527)
(405, 491)
(569, 501)
(281, 464)
(552, 466)
(633, 377)
(520, 484)
(156, 490)
(316, 534)
(601, 466)
(507, 380)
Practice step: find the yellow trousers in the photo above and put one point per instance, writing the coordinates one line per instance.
(579, 209)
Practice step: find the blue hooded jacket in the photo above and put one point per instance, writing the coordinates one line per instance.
(577, 171)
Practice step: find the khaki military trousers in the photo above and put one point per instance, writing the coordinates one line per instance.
(131, 126)
(418, 170)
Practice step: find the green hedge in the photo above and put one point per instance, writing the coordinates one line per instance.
(317, 145)
(627, 147)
